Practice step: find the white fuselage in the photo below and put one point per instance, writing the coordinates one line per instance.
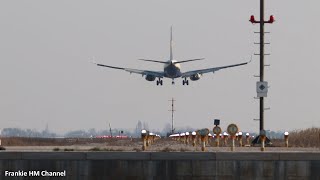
(172, 69)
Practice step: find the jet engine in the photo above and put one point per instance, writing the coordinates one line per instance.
(195, 77)
(150, 77)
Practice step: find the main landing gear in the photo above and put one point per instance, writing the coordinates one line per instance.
(185, 81)
(172, 82)
(159, 82)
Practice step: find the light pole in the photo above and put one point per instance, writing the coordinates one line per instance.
(262, 86)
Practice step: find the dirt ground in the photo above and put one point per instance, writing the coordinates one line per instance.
(135, 145)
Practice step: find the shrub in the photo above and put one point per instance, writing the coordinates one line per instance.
(67, 149)
(95, 149)
(167, 149)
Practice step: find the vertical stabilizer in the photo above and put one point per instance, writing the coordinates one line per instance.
(171, 44)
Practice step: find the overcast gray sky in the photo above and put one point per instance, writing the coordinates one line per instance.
(46, 78)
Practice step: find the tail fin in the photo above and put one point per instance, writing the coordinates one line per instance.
(171, 44)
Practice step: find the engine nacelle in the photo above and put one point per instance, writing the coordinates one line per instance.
(150, 78)
(195, 77)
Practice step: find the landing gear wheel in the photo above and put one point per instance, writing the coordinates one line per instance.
(159, 82)
(185, 82)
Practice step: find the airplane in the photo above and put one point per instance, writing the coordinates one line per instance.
(172, 69)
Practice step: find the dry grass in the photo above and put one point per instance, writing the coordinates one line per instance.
(167, 149)
(183, 149)
(26, 141)
(278, 142)
(305, 138)
(104, 149)
(308, 138)
(137, 149)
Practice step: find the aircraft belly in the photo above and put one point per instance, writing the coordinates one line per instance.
(172, 72)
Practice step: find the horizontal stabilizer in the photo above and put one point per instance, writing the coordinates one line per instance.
(150, 60)
(189, 60)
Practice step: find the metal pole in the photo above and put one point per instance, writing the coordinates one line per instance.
(261, 61)
(262, 22)
(110, 130)
(172, 111)
(172, 117)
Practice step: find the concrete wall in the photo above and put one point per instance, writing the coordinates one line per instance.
(163, 165)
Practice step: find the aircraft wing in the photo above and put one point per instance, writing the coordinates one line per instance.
(136, 71)
(203, 71)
